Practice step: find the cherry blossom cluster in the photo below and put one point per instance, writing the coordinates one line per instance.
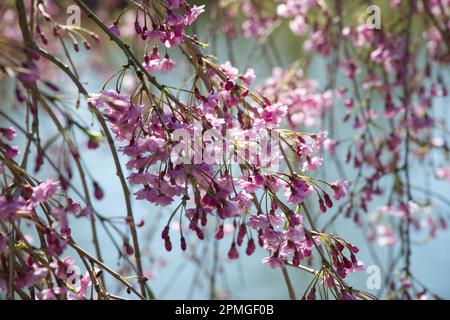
(214, 153)
(166, 25)
(35, 268)
(213, 191)
(258, 20)
(216, 193)
(305, 106)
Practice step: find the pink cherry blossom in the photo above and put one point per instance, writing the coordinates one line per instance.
(339, 188)
(44, 191)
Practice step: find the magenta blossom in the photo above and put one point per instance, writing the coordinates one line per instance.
(339, 188)
(8, 133)
(297, 191)
(44, 191)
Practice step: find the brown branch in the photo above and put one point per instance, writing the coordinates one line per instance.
(288, 284)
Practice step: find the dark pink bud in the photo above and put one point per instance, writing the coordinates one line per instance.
(356, 219)
(348, 213)
(267, 101)
(312, 295)
(301, 140)
(141, 223)
(297, 258)
(144, 33)
(203, 220)
(295, 219)
(183, 244)
(137, 27)
(260, 238)
(47, 17)
(219, 233)
(19, 96)
(340, 246)
(322, 206)
(98, 192)
(64, 184)
(69, 173)
(38, 162)
(250, 247)
(199, 233)
(168, 244)
(241, 234)
(51, 86)
(307, 253)
(347, 263)
(233, 253)
(128, 248)
(258, 178)
(11, 152)
(114, 29)
(44, 39)
(328, 201)
(92, 144)
(66, 232)
(165, 233)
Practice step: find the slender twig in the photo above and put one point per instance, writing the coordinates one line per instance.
(288, 284)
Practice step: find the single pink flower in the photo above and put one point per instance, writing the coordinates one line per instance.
(274, 262)
(44, 191)
(312, 164)
(167, 64)
(192, 13)
(273, 114)
(297, 191)
(339, 188)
